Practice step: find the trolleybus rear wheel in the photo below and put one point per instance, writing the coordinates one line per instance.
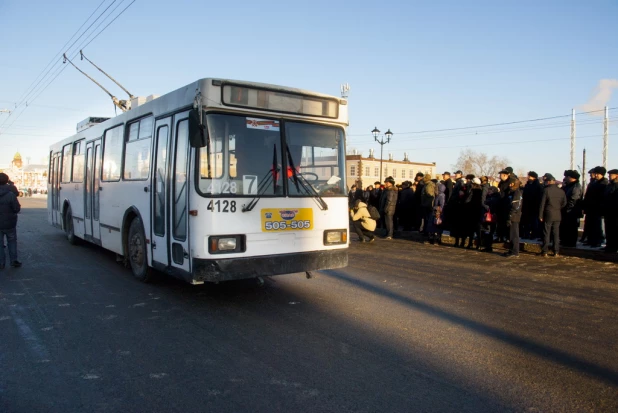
(137, 251)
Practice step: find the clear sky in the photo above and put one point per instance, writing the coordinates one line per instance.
(412, 66)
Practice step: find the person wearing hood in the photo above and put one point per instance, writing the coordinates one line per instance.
(532, 193)
(363, 224)
(388, 205)
(593, 225)
(9, 208)
(572, 212)
(610, 212)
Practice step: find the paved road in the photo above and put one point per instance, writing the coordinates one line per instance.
(405, 328)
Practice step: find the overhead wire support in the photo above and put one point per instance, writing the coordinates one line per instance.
(83, 56)
(121, 104)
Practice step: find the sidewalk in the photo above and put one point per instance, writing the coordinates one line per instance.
(526, 246)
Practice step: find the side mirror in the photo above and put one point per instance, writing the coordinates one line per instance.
(197, 131)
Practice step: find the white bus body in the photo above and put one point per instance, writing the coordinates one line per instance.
(218, 180)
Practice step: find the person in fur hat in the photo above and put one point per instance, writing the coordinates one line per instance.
(572, 213)
(593, 226)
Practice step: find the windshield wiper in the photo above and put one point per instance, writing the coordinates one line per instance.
(301, 182)
(263, 185)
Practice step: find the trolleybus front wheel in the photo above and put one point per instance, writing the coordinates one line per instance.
(69, 230)
(137, 251)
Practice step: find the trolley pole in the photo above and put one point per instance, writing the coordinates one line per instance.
(572, 139)
(605, 137)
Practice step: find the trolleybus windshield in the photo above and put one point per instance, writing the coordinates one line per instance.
(244, 152)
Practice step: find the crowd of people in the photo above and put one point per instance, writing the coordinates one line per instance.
(478, 212)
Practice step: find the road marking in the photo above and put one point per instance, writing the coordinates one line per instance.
(158, 375)
(90, 377)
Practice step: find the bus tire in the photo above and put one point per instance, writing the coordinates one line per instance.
(69, 229)
(136, 249)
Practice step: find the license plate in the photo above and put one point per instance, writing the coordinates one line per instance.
(290, 219)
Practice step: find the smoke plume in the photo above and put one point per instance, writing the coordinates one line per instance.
(600, 97)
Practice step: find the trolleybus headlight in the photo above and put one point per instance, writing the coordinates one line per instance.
(226, 244)
(335, 236)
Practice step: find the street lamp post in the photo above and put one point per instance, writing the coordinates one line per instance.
(386, 138)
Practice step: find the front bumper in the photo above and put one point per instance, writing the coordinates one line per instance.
(239, 268)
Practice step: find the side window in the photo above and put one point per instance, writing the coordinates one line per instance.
(66, 163)
(112, 154)
(137, 150)
(78, 162)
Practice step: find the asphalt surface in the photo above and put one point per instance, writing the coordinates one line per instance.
(406, 327)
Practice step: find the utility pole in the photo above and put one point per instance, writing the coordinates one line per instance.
(584, 173)
(605, 137)
(572, 139)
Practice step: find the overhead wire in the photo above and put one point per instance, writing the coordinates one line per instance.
(493, 131)
(491, 124)
(81, 47)
(54, 59)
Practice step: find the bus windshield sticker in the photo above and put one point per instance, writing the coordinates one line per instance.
(263, 124)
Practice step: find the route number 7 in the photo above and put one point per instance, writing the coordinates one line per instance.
(249, 184)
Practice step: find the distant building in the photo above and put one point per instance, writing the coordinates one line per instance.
(366, 171)
(26, 176)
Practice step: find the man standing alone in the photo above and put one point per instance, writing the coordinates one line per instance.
(552, 203)
(9, 208)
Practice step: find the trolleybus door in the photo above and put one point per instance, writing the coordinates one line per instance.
(55, 189)
(88, 191)
(96, 188)
(160, 192)
(179, 194)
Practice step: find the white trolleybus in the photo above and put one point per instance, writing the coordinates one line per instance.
(218, 180)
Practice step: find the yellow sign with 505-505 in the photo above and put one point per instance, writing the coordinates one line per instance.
(291, 219)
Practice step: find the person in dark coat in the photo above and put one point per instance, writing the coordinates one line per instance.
(389, 205)
(610, 212)
(492, 202)
(374, 197)
(572, 213)
(584, 238)
(502, 213)
(405, 206)
(532, 193)
(592, 207)
(461, 227)
(9, 208)
(514, 199)
(550, 213)
(474, 210)
(351, 195)
(448, 185)
(418, 193)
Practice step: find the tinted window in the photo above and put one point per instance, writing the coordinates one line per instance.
(181, 181)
